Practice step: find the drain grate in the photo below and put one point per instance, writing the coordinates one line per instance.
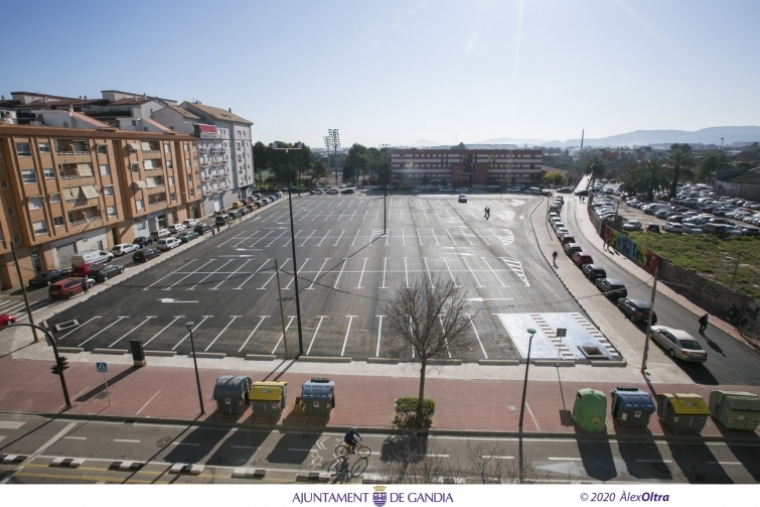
(66, 325)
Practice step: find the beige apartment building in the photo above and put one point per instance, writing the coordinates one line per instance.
(83, 185)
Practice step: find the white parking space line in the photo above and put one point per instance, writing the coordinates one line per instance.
(477, 336)
(445, 341)
(119, 319)
(328, 216)
(321, 318)
(288, 241)
(133, 329)
(205, 317)
(435, 237)
(467, 237)
(448, 231)
(339, 237)
(239, 236)
(282, 335)
(78, 327)
(311, 287)
(385, 265)
(176, 318)
(379, 334)
(348, 330)
(324, 237)
(240, 287)
(263, 287)
(427, 268)
(450, 273)
(258, 240)
(170, 274)
(315, 216)
(472, 272)
(403, 237)
(216, 287)
(75, 438)
(361, 276)
(188, 275)
(365, 215)
(406, 271)
(353, 243)
(232, 319)
(209, 275)
(126, 440)
(342, 267)
(261, 319)
(418, 236)
(307, 239)
(293, 278)
(275, 239)
(354, 213)
(494, 272)
(11, 425)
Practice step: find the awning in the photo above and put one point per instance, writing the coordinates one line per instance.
(71, 194)
(148, 164)
(90, 192)
(137, 184)
(150, 182)
(145, 146)
(84, 170)
(133, 146)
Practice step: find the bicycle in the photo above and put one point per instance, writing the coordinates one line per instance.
(360, 449)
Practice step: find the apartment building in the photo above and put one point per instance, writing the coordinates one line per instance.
(72, 183)
(471, 168)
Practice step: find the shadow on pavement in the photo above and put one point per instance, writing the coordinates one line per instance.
(697, 463)
(111, 382)
(713, 345)
(404, 448)
(238, 449)
(196, 445)
(643, 459)
(596, 456)
(743, 445)
(294, 448)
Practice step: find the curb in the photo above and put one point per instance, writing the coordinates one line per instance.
(260, 357)
(324, 359)
(165, 353)
(210, 355)
(382, 360)
(549, 362)
(499, 362)
(113, 352)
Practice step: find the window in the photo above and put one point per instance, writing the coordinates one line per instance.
(58, 221)
(55, 198)
(49, 173)
(35, 203)
(189, 178)
(187, 163)
(169, 164)
(191, 192)
(103, 149)
(111, 210)
(5, 184)
(105, 170)
(108, 190)
(187, 148)
(29, 176)
(40, 227)
(173, 196)
(23, 149)
(171, 181)
(135, 167)
(140, 205)
(166, 147)
(44, 147)
(237, 146)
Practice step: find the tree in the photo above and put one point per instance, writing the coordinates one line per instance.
(680, 161)
(460, 146)
(320, 171)
(358, 159)
(596, 169)
(429, 320)
(553, 178)
(706, 168)
(260, 158)
(648, 177)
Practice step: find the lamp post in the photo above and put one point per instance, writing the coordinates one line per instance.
(385, 190)
(522, 404)
(334, 142)
(298, 146)
(328, 143)
(189, 325)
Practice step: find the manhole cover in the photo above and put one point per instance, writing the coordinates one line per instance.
(163, 442)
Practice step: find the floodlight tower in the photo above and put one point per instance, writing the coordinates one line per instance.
(334, 137)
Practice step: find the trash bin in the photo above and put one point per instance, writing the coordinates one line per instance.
(231, 394)
(682, 412)
(268, 398)
(590, 410)
(736, 410)
(318, 396)
(632, 407)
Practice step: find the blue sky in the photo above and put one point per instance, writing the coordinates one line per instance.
(396, 71)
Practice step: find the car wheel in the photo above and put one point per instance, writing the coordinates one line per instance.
(49, 283)
(121, 271)
(672, 354)
(69, 294)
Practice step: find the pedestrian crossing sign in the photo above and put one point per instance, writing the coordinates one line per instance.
(101, 367)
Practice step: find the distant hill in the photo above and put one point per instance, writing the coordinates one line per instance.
(424, 142)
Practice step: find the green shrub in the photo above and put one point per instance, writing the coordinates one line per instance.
(406, 413)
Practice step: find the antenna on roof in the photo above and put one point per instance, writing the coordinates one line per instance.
(229, 109)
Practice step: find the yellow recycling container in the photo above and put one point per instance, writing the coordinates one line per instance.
(268, 398)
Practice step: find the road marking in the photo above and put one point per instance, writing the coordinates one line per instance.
(2, 437)
(243, 447)
(342, 266)
(328, 216)
(188, 275)
(118, 319)
(418, 236)
(194, 444)
(315, 216)
(339, 237)
(385, 265)
(321, 443)
(216, 287)
(205, 317)
(516, 267)
(488, 456)
(724, 463)
(288, 241)
(11, 425)
(655, 461)
(78, 327)
(283, 335)
(477, 336)
(209, 275)
(172, 300)
(435, 237)
(327, 234)
(233, 317)
(176, 317)
(75, 438)
(263, 287)
(293, 278)
(147, 402)
(348, 330)
(554, 458)
(406, 271)
(361, 277)
(240, 287)
(538, 428)
(261, 317)
(321, 317)
(126, 440)
(446, 261)
(170, 274)
(354, 213)
(130, 331)
(353, 243)
(39, 451)
(492, 271)
(403, 237)
(260, 239)
(379, 332)
(454, 243)
(307, 239)
(471, 271)
(311, 287)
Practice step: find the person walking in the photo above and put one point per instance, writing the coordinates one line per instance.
(554, 258)
(703, 323)
(85, 286)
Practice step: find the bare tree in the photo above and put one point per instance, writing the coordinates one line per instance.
(428, 320)
(489, 463)
(420, 460)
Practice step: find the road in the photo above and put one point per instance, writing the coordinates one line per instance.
(156, 448)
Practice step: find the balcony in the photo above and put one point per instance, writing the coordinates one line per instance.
(151, 154)
(203, 162)
(216, 149)
(157, 202)
(205, 176)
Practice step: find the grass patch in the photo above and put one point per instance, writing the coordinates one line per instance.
(710, 256)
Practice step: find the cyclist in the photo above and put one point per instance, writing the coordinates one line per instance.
(352, 438)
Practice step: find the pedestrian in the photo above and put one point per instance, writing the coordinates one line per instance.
(554, 257)
(85, 286)
(703, 323)
(488, 212)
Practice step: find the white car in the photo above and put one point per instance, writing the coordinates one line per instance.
(168, 243)
(177, 227)
(462, 198)
(123, 249)
(333, 191)
(679, 344)
(317, 191)
(190, 223)
(673, 227)
(632, 226)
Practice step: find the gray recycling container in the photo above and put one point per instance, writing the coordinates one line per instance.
(231, 394)
(318, 396)
(631, 406)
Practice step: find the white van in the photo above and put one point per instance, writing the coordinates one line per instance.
(654, 208)
(89, 257)
(161, 233)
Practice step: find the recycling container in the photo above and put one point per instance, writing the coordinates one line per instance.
(268, 398)
(231, 393)
(736, 410)
(318, 396)
(682, 412)
(590, 410)
(632, 407)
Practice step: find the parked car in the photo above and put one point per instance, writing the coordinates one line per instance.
(594, 271)
(235, 213)
(612, 288)
(191, 222)
(222, 219)
(177, 228)
(637, 310)
(202, 229)
(317, 191)
(750, 231)
(652, 227)
(160, 234)
(90, 257)
(562, 231)
(143, 241)
(123, 249)
(187, 236)
(333, 191)
(580, 259)
(145, 255)
(567, 238)
(103, 273)
(68, 287)
(48, 277)
(6, 319)
(84, 270)
(679, 344)
(168, 243)
(462, 198)
(723, 221)
(571, 248)
(673, 227)
(633, 225)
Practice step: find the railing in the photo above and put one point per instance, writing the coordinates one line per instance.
(155, 168)
(151, 151)
(157, 203)
(60, 152)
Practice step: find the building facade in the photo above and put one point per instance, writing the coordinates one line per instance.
(80, 185)
(471, 168)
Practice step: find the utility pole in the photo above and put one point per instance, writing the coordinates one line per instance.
(23, 291)
(282, 314)
(736, 268)
(649, 323)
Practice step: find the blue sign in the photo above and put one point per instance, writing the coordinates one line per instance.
(101, 367)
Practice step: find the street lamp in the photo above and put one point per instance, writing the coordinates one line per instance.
(522, 404)
(189, 325)
(335, 142)
(328, 143)
(298, 146)
(385, 189)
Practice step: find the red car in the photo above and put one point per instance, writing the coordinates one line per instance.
(581, 259)
(566, 238)
(67, 287)
(84, 270)
(7, 319)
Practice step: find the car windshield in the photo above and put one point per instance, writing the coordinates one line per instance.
(690, 345)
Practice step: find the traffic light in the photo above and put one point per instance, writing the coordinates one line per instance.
(63, 364)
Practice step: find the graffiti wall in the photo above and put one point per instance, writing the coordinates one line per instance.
(643, 257)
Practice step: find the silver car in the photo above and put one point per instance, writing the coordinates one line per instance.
(679, 344)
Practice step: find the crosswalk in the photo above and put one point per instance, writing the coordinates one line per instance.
(14, 307)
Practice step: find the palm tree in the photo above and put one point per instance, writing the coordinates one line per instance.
(680, 162)
(596, 169)
(648, 177)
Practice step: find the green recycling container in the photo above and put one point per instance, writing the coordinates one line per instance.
(736, 410)
(590, 410)
(682, 412)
